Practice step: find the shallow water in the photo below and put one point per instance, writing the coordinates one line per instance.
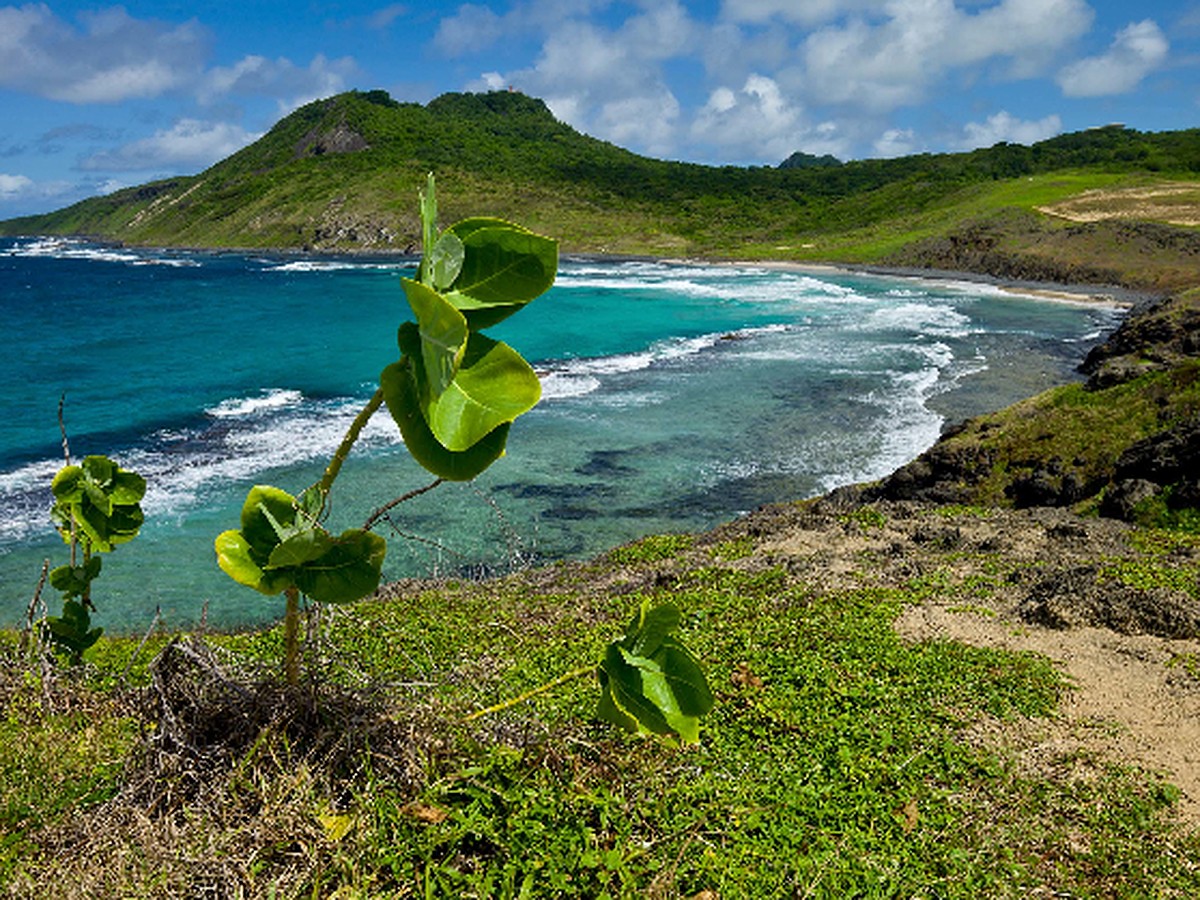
(675, 397)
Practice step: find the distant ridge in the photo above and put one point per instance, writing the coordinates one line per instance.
(342, 174)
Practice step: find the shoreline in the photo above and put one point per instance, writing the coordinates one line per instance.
(1114, 296)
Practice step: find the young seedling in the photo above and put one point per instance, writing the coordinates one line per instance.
(453, 393)
(97, 505)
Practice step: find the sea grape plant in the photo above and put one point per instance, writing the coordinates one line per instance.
(97, 505)
(453, 393)
(650, 682)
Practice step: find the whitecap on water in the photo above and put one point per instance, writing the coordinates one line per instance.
(271, 398)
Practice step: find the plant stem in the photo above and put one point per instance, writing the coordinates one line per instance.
(383, 510)
(533, 692)
(291, 637)
(352, 433)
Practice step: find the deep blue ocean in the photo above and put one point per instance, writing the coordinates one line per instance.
(675, 397)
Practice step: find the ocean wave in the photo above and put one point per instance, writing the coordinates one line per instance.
(936, 319)
(73, 248)
(571, 378)
(271, 398)
(708, 283)
(333, 265)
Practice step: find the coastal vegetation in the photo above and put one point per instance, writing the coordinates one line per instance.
(896, 713)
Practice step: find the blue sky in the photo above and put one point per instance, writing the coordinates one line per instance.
(96, 97)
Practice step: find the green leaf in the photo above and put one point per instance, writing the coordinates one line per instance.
(348, 571)
(67, 484)
(400, 394)
(74, 580)
(650, 626)
(493, 386)
(686, 678)
(428, 199)
(72, 631)
(625, 693)
(445, 260)
(443, 333)
(650, 682)
(300, 548)
(102, 501)
(264, 509)
(237, 560)
(504, 267)
(128, 488)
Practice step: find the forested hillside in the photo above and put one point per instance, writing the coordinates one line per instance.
(341, 173)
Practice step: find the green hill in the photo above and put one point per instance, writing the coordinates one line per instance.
(341, 173)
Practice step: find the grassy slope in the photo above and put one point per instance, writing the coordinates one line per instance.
(836, 763)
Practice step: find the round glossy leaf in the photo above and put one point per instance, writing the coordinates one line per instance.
(443, 333)
(348, 571)
(266, 508)
(237, 560)
(493, 386)
(400, 394)
(504, 267)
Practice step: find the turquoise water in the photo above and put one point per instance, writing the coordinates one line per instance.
(675, 397)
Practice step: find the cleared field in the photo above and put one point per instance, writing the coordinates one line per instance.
(1175, 202)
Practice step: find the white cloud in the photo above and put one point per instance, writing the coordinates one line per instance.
(471, 28)
(14, 186)
(802, 12)
(647, 122)
(1136, 51)
(107, 58)
(383, 18)
(895, 142)
(189, 143)
(1006, 127)
(292, 85)
(920, 43)
(606, 81)
(759, 123)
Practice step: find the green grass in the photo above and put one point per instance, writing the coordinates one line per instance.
(834, 763)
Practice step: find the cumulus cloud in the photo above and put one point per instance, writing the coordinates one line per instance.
(755, 122)
(292, 85)
(14, 186)
(106, 58)
(471, 28)
(1136, 51)
(189, 143)
(1008, 128)
(809, 12)
(383, 18)
(759, 123)
(896, 142)
(884, 65)
(605, 80)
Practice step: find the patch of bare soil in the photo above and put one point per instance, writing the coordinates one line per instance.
(1131, 701)
(1039, 580)
(1176, 203)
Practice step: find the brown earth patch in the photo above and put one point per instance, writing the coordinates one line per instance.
(1177, 203)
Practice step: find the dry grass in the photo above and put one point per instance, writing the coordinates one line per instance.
(1176, 203)
(235, 774)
